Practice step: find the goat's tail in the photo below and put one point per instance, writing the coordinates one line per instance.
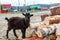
(6, 19)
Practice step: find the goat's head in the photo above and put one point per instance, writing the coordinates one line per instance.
(27, 15)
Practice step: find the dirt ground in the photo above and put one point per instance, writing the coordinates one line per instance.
(3, 24)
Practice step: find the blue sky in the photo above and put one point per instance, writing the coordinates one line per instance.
(28, 2)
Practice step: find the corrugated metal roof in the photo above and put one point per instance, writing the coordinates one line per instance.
(6, 5)
(35, 6)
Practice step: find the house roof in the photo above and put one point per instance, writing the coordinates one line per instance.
(35, 6)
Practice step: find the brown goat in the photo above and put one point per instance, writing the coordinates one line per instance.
(19, 23)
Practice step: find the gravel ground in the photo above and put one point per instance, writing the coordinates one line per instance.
(3, 23)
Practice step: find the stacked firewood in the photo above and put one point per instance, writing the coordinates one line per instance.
(52, 19)
(55, 10)
(31, 37)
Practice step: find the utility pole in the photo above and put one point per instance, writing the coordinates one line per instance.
(33, 1)
(25, 6)
(18, 5)
(24, 2)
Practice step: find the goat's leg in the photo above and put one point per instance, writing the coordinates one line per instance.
(7, 33)
(23, 32)
(15, 33)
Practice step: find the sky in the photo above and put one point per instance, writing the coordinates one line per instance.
(28, 2)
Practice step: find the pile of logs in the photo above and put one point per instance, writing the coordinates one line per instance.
(54, 11)
(32, 37)
(52, 19)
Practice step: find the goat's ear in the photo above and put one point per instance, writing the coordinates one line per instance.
(31, 15)
(23, 14)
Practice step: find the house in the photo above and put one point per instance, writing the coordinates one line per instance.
(5, 8)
